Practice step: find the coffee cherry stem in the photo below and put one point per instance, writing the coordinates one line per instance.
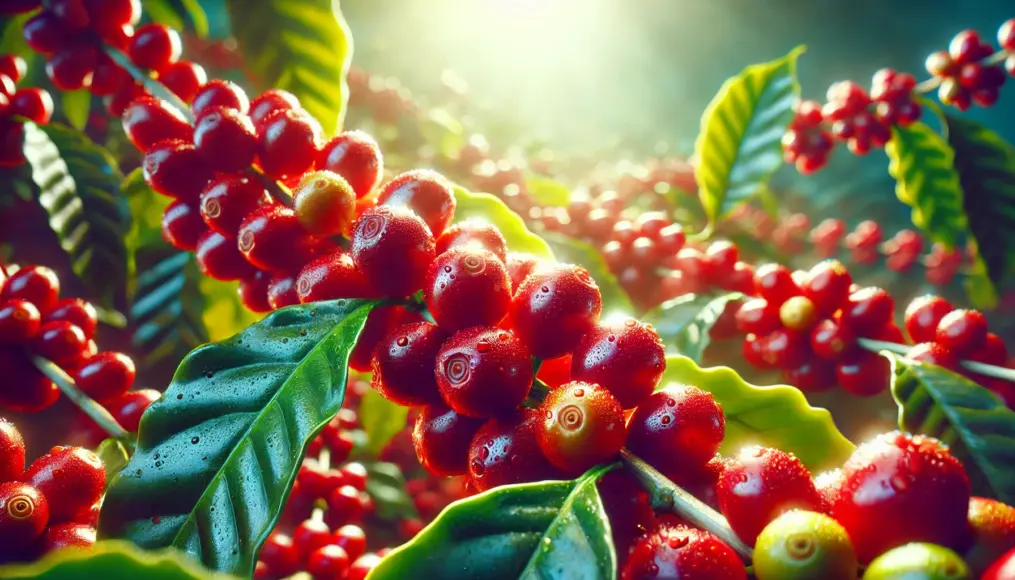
(277, 191)
(95, 411)
(979, 368)
(670, 497)
(151, 85)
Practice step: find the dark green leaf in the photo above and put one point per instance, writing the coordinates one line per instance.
(110, 560)
(684, 323)
(301, 46)
(218, 453)
(573, 251)
(381, 420)
(974, 421)
(740, 144)
(552, 529)
(488, 208)
(386, 485)
(79, 185)
(114, 456)
(75, 106)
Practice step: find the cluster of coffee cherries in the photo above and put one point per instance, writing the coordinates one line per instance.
(34, 321)
(33, 104)
(969, 71)
(51, 505)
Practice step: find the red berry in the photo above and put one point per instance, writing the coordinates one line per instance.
(362, 566)
(279, 553)
(288, 143)
(19, 321)
(832, 340)
(344, 505)
(758, 316)
(218, 257)
(992, 524)
(473, 233)
(66, 535)
(24, 389)
(128, 407)
(403, 364)
(394, 248)
(329, 562)
(670, 240)
(46, 34)
(33, 103)
(228, 199)
(934, 353)
(12, 452)
(325, 204)
(962, 331)
(696, 267)
(282, 292)
(71, 478)
(923, 316)
(182, 225)
(183, 78)
(332, 276)
(113, 13)
(682, 552)
(219, 93)
(78, 312)
(60, 341)
(784, 348)
(483, 371)
(36, 284)
(583, 425)
(519, 266)
(105, 375)
(13, 66)
(148, 120)
(355, 156)
(225, 138)
(441, 439)
(812, 376)
(1002, 568)
(561, 297)
(175, 168)
(270, 101)
(868, 310)
(272, 238)
(467, 287)
(24, 515)
(827, 285)
(993, 352)
(425, 192)
(253, 291)
(380, 322)
(723, 257)
(155, 46)
(898, 489)
(626, 357)
(309, 536)
(677, 428)
(504, 451)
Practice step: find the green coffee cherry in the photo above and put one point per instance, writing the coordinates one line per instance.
(918, 561)
(802, 545)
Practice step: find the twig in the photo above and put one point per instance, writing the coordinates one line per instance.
(977, 367)
(151, 85)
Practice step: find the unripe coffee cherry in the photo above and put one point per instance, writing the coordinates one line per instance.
(798, 313)
(325, 204)
(582, 425)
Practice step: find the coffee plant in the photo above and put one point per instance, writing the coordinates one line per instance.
(295, 322)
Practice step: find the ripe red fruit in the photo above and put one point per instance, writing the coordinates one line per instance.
(352, 539)
(279, 553)
(677, 428)
(270, 101)
(863, 373)
(362, 566)
(288, 143)
(71, 478)
(827, 285)
(934, 353)
(784, 348)
(19, 321)
(176, 169)
(24, 515)
(774, 283)
(441, 439)
(24, 389)
(36, 284)
(425, 192)
(105, 375)
(554, 307)
(225, 138)
(282, 292)
(182, 225)
(218, 257)
(60, 341)
(78, 312)
(505, 451)
(467, 287)
(832, 340)
(722, 257)
(183, 78)
(962, 331)
(901, 488)
(46, 34)
(128, 407)
(868, 310)
(519, 266)
(626, 357)
(12, 452)
(219, 93)
(582, 425)
(812, 376)
(992, 524)
(332, 276)
(272, 238)
(253, 291)
(682, 552)
(1002, 568)
(65, 535)
(380, 322)
(483, 371)
(309, 536)
(228, 200)
(33, 103)
(13, 66)
(993, 351)
(155, 46)
(758, 316)
(72, 68)
(403, 364)
(344, 505)
(106, 14)
(355, 156)
(473, 233)
(328, 562)
(325, 204)
(394, 248)
(148, 120)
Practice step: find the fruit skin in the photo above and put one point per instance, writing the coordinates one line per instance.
(310, 535)
(71, 478)
(280, 554)
(582, 425)
(173, 167)
(467, 287)
(225, 138)
(803, 545)
(425, 192)
(505, 451)
(393, 247)
(441, 438)
(471, 232)
(182, 225)
(19, 321)
(325, 204)
(148, 120)
(483, 372)
(219, 93)
(863, 373)
(774, 283)
(272, 239)
(682, 552)
(332, 276)
(962, 331)
(886, 487)
(868, 310)
(218, 257)
(759, 485)
(105, 375)
(226, 201)
(757, 316)
(554, 307)
(287, 143)
(65, 535)
(1002, 569)
(935, 353)
(918, 561)
(36, 284)
(329, 562)
(78, 312)
(403, 364)
(923, 315)
(677, 428)
(24, 515)
(355, 156)
(625, 357)
(270, 101)
(155, 47)
(128, 407)
(519, 266)
(12, 452)
(992, 524)
(61, 342)
(827, 285)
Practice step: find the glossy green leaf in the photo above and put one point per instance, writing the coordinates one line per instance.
(777, 416)
(79, 187)
(974, 421)
(75, 106)
(218, 453)
(114, 456)
(573, 251)
(547, 192)
(551, 529)
(386, 485)
(490, 209)
(380, 419)
(740, 144)
(302, 46)
(110, 560)
(684, 323)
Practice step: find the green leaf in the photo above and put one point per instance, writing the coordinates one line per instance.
(76, 105)
(197, 15)
(302, 46)
(776, 416)
(551, 529)
(12, 39)
(380, 419)
(974, 421)
(548, 192)
(79, 187)
(490, 209)
(386, 485)
(218, 453)
(114, 456)
(110, 560)
(573, 251)
(740, 144)
(684, 323)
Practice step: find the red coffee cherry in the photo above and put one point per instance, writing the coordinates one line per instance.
(352, 539)
(483, 371)
(993, 351)
(722, 257)
(868, 310)
(279, 553)
(225, 138)
(176, 169)
(128, 407)
(218, 257)
(626, 357)
(467, 287)
(60, 341)
(682, 552)
(73, 67)
(362, 566)
(66, 535)
(228, 200)
(775, 283)
(677, 428)
(155, 47)
(36, 284)
(441, 439)
(394, 248)
(270, 101)
(563, 298)
(380, 322)
(962, 331)
(219, 93)
(148, 120)
(272, 238)
(78, 312)
(35, 104)
(183, 78)
(901, 488)
(45, 33)
(329, 562)
(105, 375)
(583, 425)
(519, 266)
(425, 192)
(12, 452)
(19, 321)
(812, 376)
(24, 389)
(309, 536)
(13, 66)
(71, 478)
(182, 225)
(109, 77)
(934, 353)
(24, 515)
(1003, 567)
(288, 143)
(403, 365)
(325, 204)
(473, 233)
(355, 156)
(282, 292)
(760, 484)
(992, 524)
(344, 505)
(758, 316)
(332, 276)
(832, 340)
(505, 451)
(784, 348)
(827, 285)
(253, 291)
